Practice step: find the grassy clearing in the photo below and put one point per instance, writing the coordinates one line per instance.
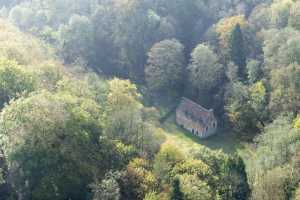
(223, 140)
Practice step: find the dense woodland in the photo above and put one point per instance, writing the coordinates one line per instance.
(85, 86)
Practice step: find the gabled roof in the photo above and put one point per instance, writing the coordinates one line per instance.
(195, 111)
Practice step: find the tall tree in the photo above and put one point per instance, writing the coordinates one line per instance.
(53, 129)
(165, 67)
(294, 16)
(285, 96)
(108, 189)
(195, 188)
(176, 193)
(237, 51)
(76, 39)
(204, 70)
(14, 81)
(225, 27)
(205, 74)
(5, 187)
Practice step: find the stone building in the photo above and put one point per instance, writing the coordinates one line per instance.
(196, 119)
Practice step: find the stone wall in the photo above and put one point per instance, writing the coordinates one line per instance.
(195, 127)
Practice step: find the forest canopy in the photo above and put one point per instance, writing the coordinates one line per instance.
(88, 90)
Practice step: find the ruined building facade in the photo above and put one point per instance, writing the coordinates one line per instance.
(196, 119)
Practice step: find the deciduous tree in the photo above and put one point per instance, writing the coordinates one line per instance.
(205, 72)
(165, 68)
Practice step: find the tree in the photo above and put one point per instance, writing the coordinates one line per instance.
(237, 51)
(290, 52)
(225, 27)
(188, 15)
(297, 194)
(281, 47)
(126, 120)
(297, 123)
(275, 145)
(204, 70)
(194, 188)
(285, 89)
(164, 71)
(21, 47)
(258, 98)
(273, 184)
(236, 179)
(260, 17)
(240, 113)
(22, 16)
(49, 75)
(228, 178)
(274, 163)
(60, 150)
(176, 193)
(123, 111)
(193, 167)
(205, 73)
(232, 72)
(108, 189)
(76, 39)
(165, 161)
(137, 180)
(107, 52)
(6, 191)
(294, 17)
(152, 196)
(14, 81)
(280, 12)
(140, 28)
(255, 71)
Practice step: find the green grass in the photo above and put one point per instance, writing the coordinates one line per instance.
(223, 140)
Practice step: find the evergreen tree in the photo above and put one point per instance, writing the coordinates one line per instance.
(242, 190)
(176, 193)
(5, 189)
(237, 51)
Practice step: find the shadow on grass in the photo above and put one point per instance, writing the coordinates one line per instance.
(223, 140)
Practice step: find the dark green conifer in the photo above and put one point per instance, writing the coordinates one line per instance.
(237, 51)
(176, 193)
